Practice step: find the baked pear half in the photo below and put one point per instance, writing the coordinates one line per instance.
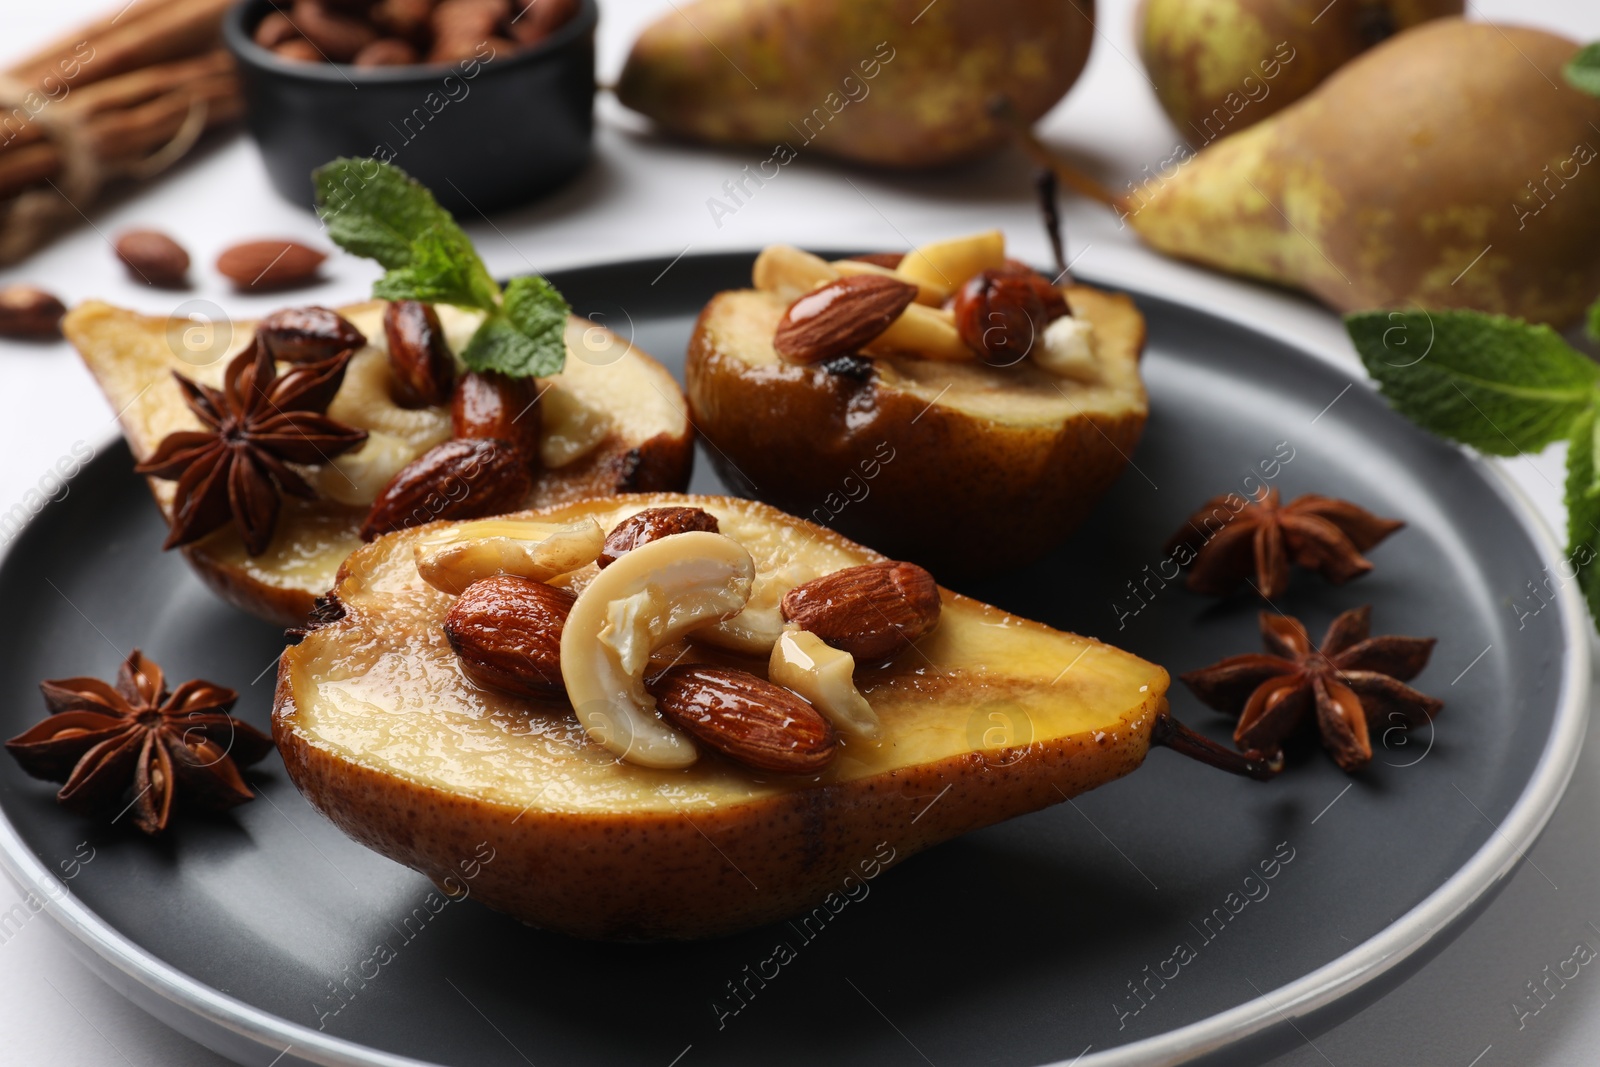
(613, 420)
(756, 782)
(967, 434)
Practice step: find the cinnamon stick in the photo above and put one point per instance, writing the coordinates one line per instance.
(174, 29)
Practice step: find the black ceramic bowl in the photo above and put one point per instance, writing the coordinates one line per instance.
(482, 135)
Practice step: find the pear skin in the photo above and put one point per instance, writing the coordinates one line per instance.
(1219, 66)
(988, 717)
(1450, 167)
(899, 83)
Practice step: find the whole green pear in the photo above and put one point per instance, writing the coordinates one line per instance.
(898, 83)
(1450, 167)
(1221, 65)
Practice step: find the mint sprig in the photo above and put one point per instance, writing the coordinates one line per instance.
(1501, 386)
(375, 210)
(1583, 70)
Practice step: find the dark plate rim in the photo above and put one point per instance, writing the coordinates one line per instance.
(236, 1027)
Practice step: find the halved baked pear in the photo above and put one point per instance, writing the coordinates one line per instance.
(986, 717)
(619, 412)
(958, 465)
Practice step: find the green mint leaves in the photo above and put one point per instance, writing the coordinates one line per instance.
(375, 210)
(1583, 70)
(1494, 383)
(1501, 386)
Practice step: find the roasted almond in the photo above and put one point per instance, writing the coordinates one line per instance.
(273, 264)
(652, 524)
(841, 316)
(490, 404)
(404, 18)
(308, 334)
(274, 29)
(506, 631)
(745, 717)
(459, 479)
(27, 311)
(871, 611)
(337, 36)
(420, 360)
(153, 258)
(1001, 314)
(297, 49)
(540, 18)
(386, 52)
(469, 20)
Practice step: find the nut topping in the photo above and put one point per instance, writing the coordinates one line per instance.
(459, 479)
(490, 404)
(274, 264)
(424, 370)
(746, 718)
(871, 611)
(469, 552)
(652, 524)
(825, 676)
(506, 631)
(841, 316)
(308, 334)
(648, 598)
(1002, 313)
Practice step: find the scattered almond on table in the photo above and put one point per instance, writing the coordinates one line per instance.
(269, 264)
(30, 313)
(153, 258)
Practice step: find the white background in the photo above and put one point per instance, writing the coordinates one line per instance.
(646, 197)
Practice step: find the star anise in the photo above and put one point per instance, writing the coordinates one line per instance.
(1229, 543)
(1351, 683)
(105, 742)
(258, 423)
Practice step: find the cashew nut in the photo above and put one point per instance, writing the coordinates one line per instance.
(757, 628)
(459, 555)
(647, 598)
(825, 676)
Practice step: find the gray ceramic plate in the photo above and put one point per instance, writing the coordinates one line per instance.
(1134, 925)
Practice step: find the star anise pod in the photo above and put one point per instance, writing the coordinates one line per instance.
(1230, 544)
(258, 423)
(1350, 684)
(105, 742)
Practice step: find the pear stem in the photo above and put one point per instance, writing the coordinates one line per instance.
(1173, 734)
(1001, 108)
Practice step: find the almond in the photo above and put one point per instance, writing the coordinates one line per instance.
(841, 316)
(469, 20)
(274, 30)
(29, 312)
(652, 524)
(540, 18)
(871, 611)
(153, 258)
(404, 18)
(424, 370)
(386, 52)
(308, 334)
(298, 50)
(460, 479)
(338, 37)
(490, 404)
(746, 718)
(886, 260)
(506, 631)
(272, 264)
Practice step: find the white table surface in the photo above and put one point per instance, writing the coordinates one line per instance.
(644, 197)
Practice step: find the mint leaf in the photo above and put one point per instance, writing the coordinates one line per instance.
(443, 269)
(1498, 384)
(1583, 509)
(527, 338)
(1583, 70)
(1593, 325)
(375, 210)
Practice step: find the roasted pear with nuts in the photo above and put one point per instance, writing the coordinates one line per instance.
(956, 409)
(747, 704)
(414, 438)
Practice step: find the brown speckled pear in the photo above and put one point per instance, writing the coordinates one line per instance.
(649, 443)
(958, 466)
(899, 83)
(986, 718)
(1221, 65)
(1449, 167)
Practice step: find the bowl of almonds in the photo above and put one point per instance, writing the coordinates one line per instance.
(488, 102)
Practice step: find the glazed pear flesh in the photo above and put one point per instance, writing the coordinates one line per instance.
(993, 715)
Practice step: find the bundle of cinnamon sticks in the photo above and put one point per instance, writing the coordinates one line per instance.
(121, 98)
